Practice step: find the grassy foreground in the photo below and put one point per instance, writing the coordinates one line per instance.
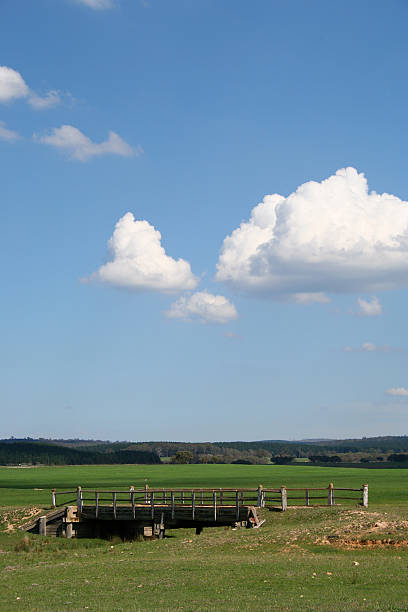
(323, 558)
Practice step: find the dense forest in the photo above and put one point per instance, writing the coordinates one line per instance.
(372, 452)
(38, 453)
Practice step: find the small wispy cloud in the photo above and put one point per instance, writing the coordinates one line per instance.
(51, 99)
(231, 335)
(369, 308)
(311, 298)
(71, 140)
(14, 87)
(206, 307)
(370, 347)
(397, 391)
(98, 5)
(6, 134)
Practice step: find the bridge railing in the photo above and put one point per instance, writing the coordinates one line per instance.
(312, 496)
(159, 498)
(260, 497)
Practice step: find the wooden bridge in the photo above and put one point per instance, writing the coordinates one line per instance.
(148, 512)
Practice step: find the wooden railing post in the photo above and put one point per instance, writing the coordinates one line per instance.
(365, 495)
(330, 497)
(215, 505)
(96, 504)
(132, 500)
(114, 504)
(193, 504)
(172, 505)
(152, 503)
(146, 493)
(79, 498)
(260, 496)
(42, 525)
(284, 495)
(307, 497)
(237, 505)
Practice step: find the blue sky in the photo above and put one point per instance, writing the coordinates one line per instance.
(121, 119)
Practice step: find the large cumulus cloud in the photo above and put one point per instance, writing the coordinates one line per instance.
(139, 262)
(333, 236)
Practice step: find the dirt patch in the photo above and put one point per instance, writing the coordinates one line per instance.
(365, 542)
(14, 518)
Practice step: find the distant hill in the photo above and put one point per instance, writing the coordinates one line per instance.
(74, 451)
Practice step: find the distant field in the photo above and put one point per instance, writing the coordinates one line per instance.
(17, 485)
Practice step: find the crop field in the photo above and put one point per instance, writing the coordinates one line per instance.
(323, 558)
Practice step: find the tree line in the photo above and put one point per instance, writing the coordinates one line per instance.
(34, 453)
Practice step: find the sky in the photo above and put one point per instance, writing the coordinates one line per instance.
(204, 219)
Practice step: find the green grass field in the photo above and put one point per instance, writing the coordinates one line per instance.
(340, 558)
(19, 486)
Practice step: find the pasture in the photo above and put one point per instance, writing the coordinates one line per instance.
(339, 558)
(24, 486)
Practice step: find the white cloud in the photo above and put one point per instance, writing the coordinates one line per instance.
(334, 236)
(140, 262)
(73, 141)
(6, 134)
(51, 99)
(97, 4)
(12, 85)
(205, 306)
(370, 347)
(369, 308)
(397, 391)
